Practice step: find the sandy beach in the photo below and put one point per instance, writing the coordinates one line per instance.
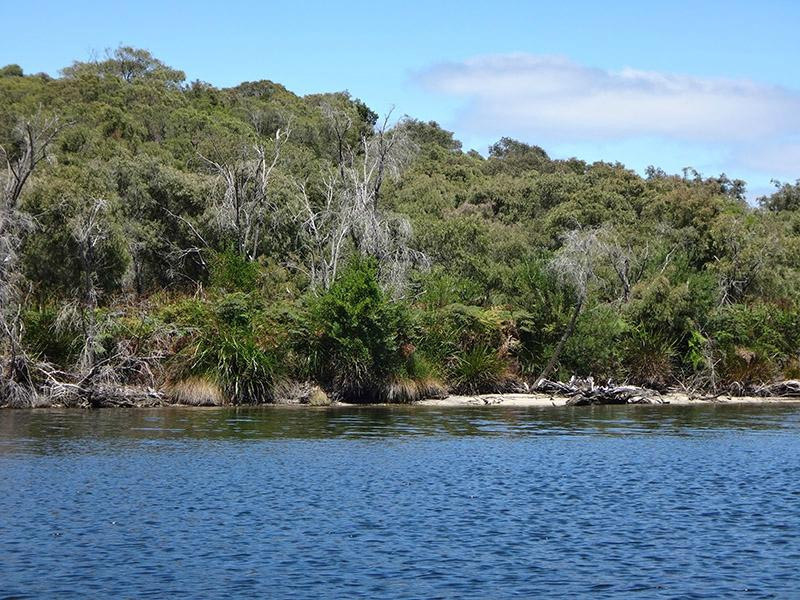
(544, 400)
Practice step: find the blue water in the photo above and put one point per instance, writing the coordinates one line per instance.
(601, 502)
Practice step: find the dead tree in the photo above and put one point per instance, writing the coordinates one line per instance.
(344, 208)
(33, 138)
(325, 225)
(246, 205)
(628, 263)
(575, 264)
(89, 230)
(390, 149)
(340, 123)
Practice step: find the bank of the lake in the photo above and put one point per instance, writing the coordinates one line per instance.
(545, 400)
(149, 399)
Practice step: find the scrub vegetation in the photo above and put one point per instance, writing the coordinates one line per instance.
(226, 245)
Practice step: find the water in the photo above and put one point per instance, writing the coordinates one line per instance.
(604, 502)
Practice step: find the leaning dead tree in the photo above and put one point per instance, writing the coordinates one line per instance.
(575, 266)
(246, 205)
(32, 138)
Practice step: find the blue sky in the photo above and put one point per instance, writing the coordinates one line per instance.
(714, 85)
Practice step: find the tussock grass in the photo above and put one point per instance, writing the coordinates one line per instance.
(196, 391)
(478, 370)
(405, 390)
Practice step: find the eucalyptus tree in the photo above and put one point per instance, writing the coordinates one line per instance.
(31, 141)
(245, 172)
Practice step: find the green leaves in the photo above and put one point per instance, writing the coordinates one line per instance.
(356, 333)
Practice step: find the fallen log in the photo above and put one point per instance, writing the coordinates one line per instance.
(115, 396)
(584, 392)
(105, 396)
(787, 389)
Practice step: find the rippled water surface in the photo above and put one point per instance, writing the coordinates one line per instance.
(491, 502)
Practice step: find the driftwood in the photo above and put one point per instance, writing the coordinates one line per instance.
(111, 396)
(105, 396)
(584, 392)
(787, 389)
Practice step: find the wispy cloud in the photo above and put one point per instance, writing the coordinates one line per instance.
(780, 158)
(554, 98)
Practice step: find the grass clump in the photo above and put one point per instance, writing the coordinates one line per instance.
(477, 370)
(227, 345)
(196, 391)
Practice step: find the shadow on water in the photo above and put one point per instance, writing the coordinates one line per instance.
(43, 430)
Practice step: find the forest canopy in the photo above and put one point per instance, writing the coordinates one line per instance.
(239, 244)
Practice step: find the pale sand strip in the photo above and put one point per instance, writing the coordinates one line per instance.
(543, 400)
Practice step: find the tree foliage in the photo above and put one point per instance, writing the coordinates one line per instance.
(371, 251)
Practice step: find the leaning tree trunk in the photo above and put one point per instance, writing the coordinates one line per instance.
(560, 346)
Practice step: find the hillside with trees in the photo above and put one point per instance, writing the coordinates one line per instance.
(248, 245)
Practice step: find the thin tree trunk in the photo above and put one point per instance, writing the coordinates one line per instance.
(560, 346)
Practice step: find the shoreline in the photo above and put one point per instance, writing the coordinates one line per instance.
(513, 400)
(547, 400)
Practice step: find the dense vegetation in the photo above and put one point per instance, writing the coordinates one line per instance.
(236, 244)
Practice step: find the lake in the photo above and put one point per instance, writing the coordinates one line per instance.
(490, 502)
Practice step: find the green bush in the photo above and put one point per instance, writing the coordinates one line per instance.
(472, 346)
(233, 272)
(355, 334)
(226, 340)
(58, 345)
(649, 358)
(244, 371)
(596, 346)
(753, 341)
(477, 370)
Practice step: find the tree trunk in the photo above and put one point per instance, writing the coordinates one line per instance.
(560, 346)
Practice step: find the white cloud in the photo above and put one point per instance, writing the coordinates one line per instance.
(555, 99)
(780, 158)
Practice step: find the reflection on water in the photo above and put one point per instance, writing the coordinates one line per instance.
(401, 501)
(48, 430)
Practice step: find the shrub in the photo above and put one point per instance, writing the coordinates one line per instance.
(438, 289)
(355, 333)
(226, 345)
(58, 345)
(649, 359)
(752, 342)
(595, 347)
(231, 271)
(477, 370)
(243, 371)
(418, 379)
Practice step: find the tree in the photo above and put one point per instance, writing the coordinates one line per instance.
(511, 156)
(130, 65)
(245, 206)
(11, 71)
(785, 197)
(89, 231)
(575, 265)
(32, 139)
(325, 225)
